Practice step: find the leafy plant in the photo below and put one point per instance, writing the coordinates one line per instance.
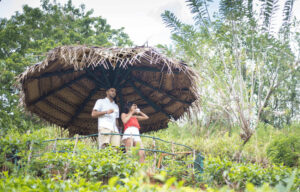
(285, 149)
(237, 175)
(27, 36)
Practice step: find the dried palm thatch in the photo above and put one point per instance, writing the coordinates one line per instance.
(65, 86)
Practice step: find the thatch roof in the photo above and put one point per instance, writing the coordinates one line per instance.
(64, 87)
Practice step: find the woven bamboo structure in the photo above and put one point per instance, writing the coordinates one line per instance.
(64, 87)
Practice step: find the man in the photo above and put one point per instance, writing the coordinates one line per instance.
(107, 112)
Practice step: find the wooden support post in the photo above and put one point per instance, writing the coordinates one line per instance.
(160, 159)
(121, 101)
(194, 158)
(75, 145)
(30, 152)
(154, 161)
(173, 151)
(68, 163)
(99, 140)
(54, 146)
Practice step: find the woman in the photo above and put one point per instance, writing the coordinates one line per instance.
(131, 126)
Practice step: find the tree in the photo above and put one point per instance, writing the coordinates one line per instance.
(27, 36)
(244, 67)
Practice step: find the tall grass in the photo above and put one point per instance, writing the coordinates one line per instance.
(224, 142)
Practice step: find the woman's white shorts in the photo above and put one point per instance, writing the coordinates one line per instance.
(134, 131)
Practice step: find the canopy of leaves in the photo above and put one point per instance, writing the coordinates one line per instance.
(249, 72)
(27, 36)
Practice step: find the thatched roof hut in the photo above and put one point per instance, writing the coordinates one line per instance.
(64, 87)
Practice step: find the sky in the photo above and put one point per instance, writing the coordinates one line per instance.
(140, 18)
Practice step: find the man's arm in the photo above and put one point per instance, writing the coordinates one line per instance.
(96, 114)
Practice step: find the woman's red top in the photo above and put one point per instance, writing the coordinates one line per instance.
(132, 122)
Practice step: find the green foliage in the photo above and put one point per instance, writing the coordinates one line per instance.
(89, 169)
(92, 164)
(248, 74)
(27, 36)
(223, 142)
(136, 183)
(285, 149)
(14, 146)
(221, 171)
(86, 162)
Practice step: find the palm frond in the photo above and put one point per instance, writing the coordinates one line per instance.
(231, 8)
(268, 12)
(172, 21)
(200, 11)
(249, 9)
(287, 12)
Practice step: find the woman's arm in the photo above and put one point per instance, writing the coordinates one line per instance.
(142, 116)
(125, 117)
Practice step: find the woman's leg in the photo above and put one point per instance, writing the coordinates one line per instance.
(128, 143)
(141, 152)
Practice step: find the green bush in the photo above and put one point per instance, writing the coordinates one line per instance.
(89, 166)
(15, 146)
(285, 149)
(225, 172)
(135, 183)
(86, 162)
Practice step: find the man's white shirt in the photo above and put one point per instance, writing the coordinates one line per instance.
(107, 120)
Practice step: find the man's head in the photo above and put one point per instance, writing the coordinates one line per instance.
(111, 93)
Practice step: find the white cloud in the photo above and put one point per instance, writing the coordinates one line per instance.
(140, 18)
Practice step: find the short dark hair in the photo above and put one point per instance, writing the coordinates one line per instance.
(127, 107)
(108, 88)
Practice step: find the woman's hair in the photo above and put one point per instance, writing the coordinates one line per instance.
(127, 107)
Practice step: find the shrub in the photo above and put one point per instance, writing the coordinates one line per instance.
(285, 149)
(15, 146)
(237, 175)
(136, 183)
(91, 164)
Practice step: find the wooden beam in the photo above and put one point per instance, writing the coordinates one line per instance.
(56, 73)
(159, 90)
(130, 69)
(83, 104)
(96, 82)
(56, 90)
(47, 116)
(75, 92)
(59, 97)
(121, 100)
(151, 103)
(56, 107)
